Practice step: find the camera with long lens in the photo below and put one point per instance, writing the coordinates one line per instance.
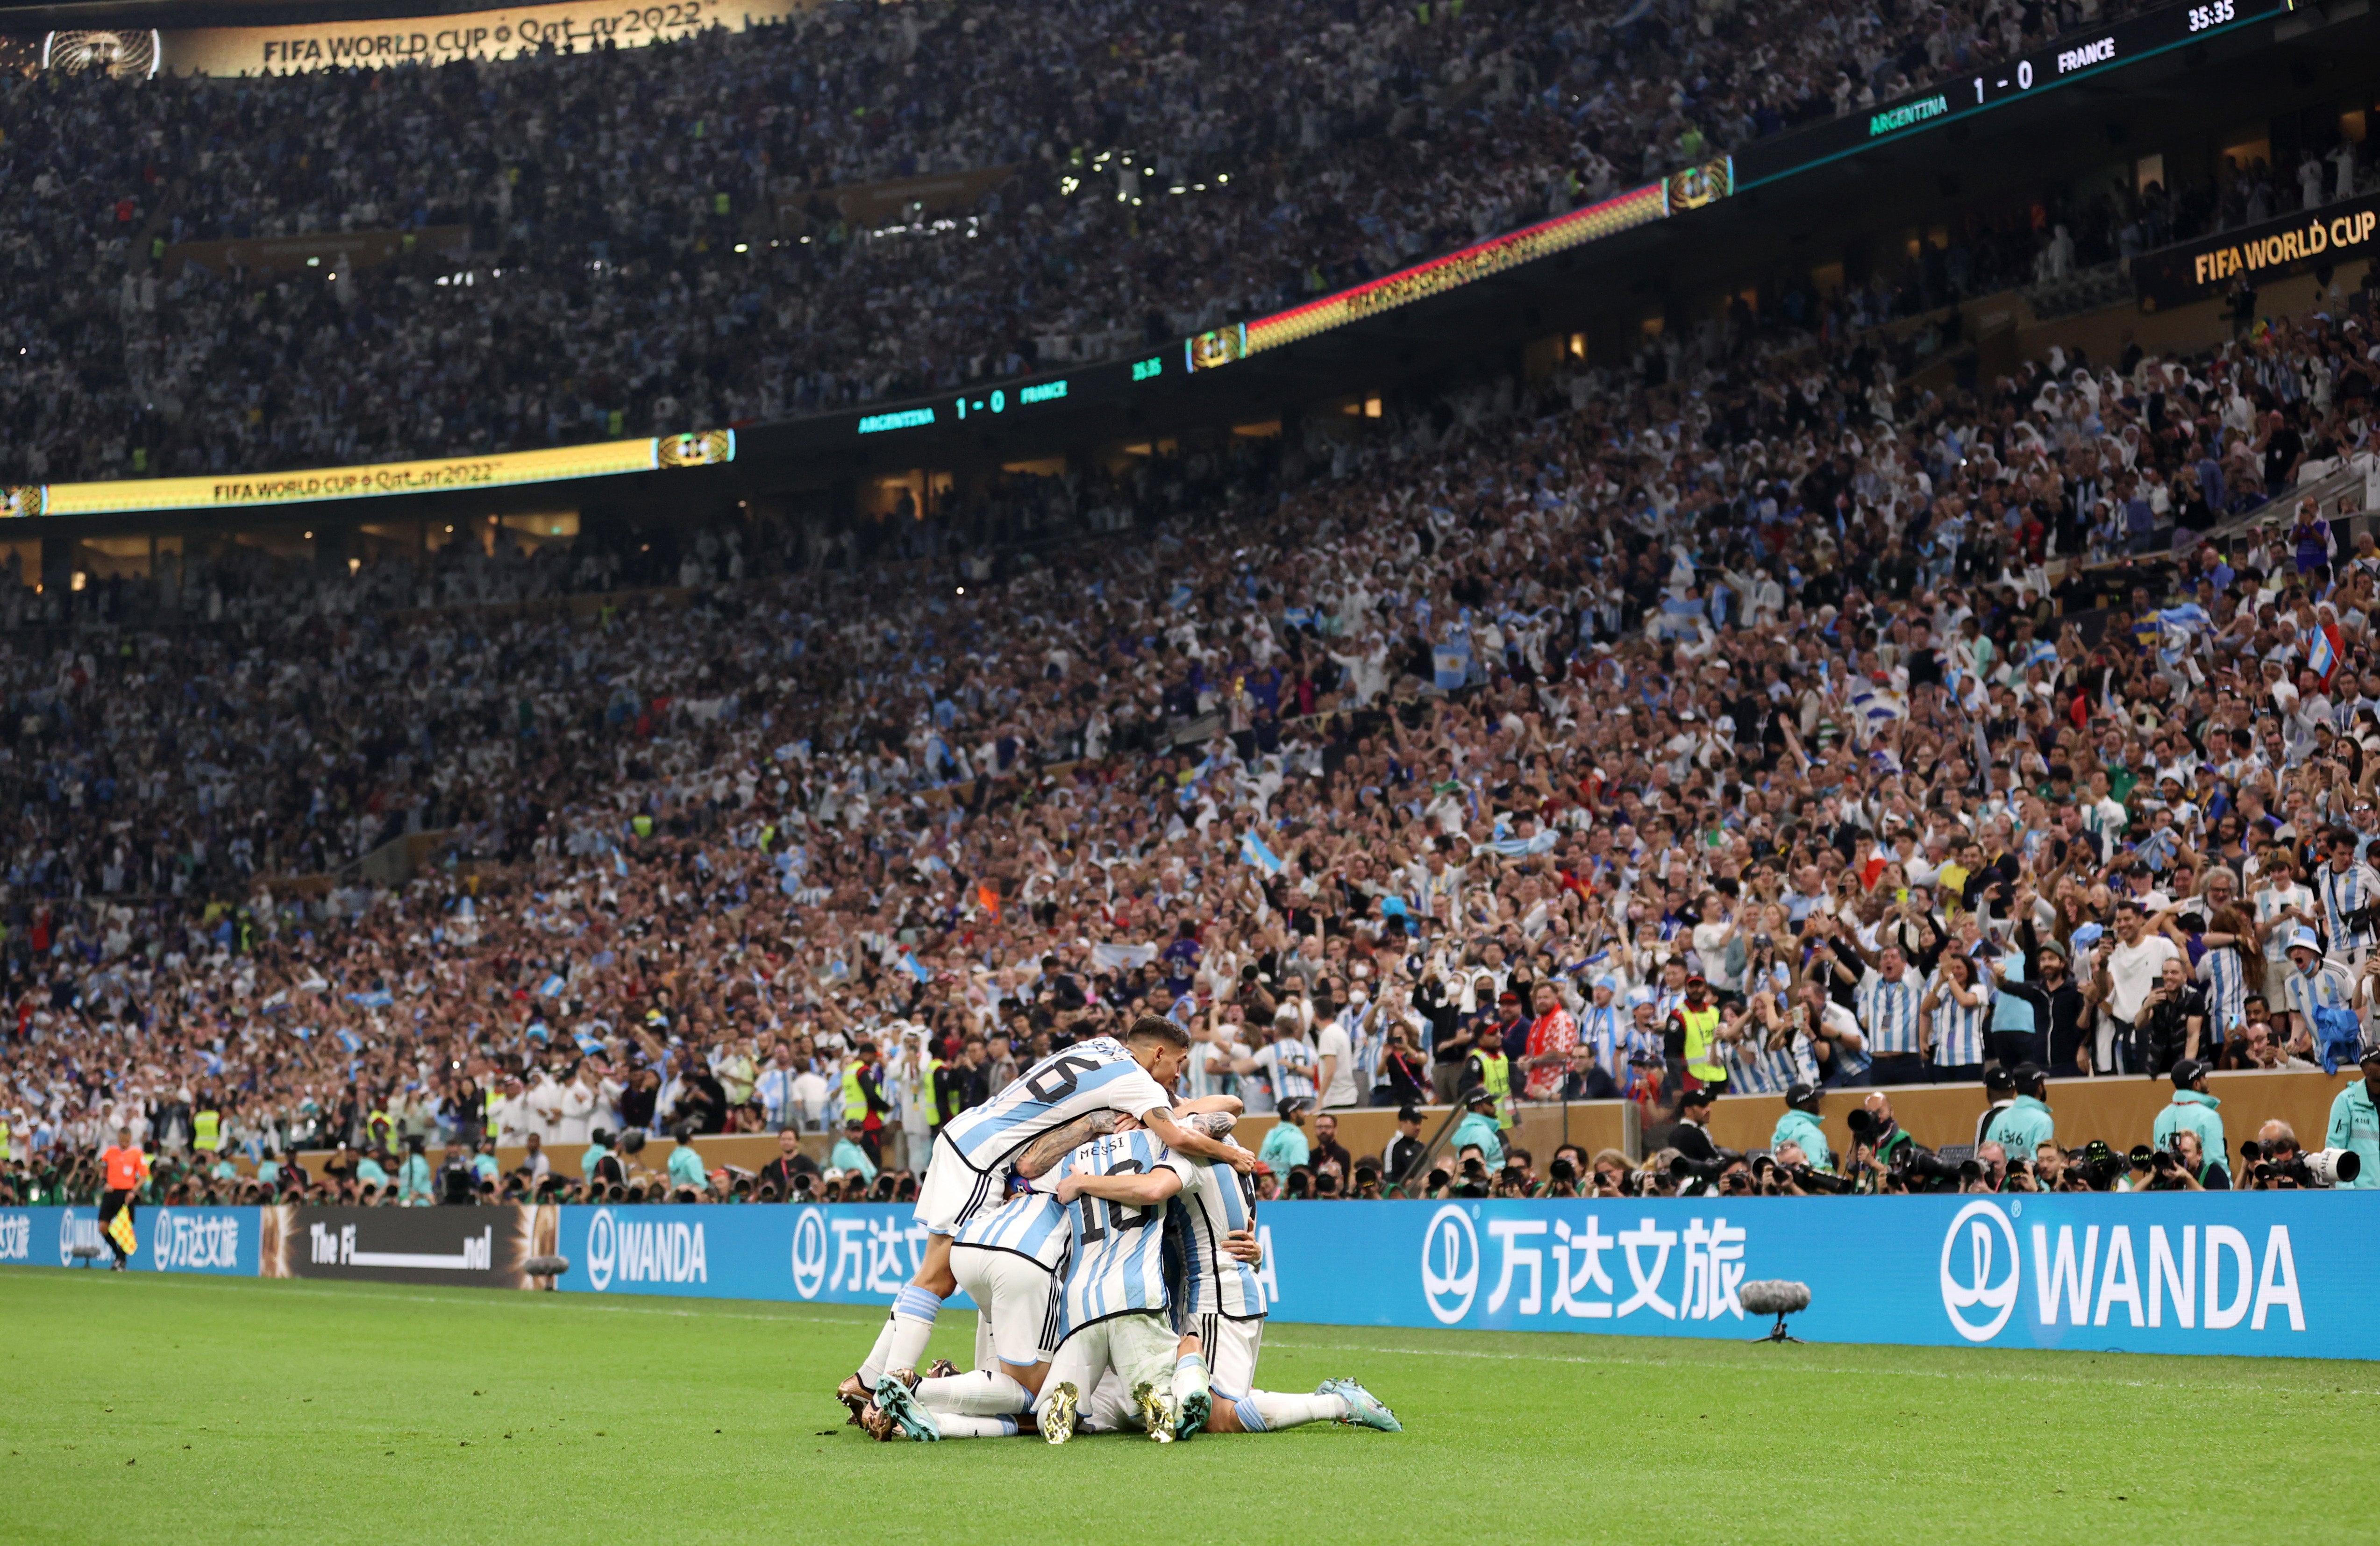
(1704, 1172)
(2098, 1164)
(1921, 1169)
(2166, 1162)
(1766, 1168)
(2279, 1166)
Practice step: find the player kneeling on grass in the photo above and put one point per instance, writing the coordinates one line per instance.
(1130, 1182)
(1111, 1193)
(1010, 1262)
(1117, 1300)
(1223, 1300)
(977, 1150)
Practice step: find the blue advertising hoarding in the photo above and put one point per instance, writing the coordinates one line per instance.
(2262, 1273)
(2267, 1274)
(217, 1240)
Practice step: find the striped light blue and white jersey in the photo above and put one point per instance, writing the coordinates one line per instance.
(1887, 1013)
(1849, 1064)
(2271, 902)
(1957, 1030)
(1288, 1068)
(1097, 1074)
(1605, 1031)
(1754, 1067)
(2326, 987)
(1795, 1063)
(1032, 1225)
(1118, 1261)
(2342, 892)
(1198, 1079)
(1215, 1200)
(2224, 972)
(1747, 1063)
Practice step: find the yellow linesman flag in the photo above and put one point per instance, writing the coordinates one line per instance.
(119, 1229)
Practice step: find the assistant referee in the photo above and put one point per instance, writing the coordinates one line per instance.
(126, 1167)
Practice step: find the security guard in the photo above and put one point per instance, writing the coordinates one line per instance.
(2355, 1119)
(862, 1097)
(1478, 1126)
(1488, 1068)
(206, 1129)
(1801, 1124)
(2026, 1123)
(1693, 1036)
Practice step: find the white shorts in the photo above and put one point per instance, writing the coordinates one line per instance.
(1138, 1345)
(953, 1191)
(1230, 1347)
(1017, 1298)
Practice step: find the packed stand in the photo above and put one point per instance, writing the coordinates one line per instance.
(1712, 723)
(654, 245)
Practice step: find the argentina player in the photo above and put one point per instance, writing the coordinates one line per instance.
(976, 1151)
(1221, 1308)
(1117, 1300)
(1012, 1262)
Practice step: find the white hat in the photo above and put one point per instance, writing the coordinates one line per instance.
(2302, 938)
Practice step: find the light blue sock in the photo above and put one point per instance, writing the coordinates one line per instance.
(905, 1333)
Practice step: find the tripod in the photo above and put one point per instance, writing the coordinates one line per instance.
(1778, 1334)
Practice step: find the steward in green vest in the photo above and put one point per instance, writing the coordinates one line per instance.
(206, 1132)
(1693, 1036)
(1493, 1071)
(863, 1088)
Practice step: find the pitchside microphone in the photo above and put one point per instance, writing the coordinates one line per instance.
(554, 1266)
(1775, 1296)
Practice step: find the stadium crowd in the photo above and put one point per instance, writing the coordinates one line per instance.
(1713, 723)
(655, 242)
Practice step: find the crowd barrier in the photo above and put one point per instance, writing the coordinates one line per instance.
(2262, 1273)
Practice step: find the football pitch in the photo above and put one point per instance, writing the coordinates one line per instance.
(151, 1407)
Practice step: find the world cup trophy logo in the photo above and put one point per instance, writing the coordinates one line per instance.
(126, 55)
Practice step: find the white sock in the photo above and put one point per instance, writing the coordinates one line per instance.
(955, 1427)
(873, 1369)
(902, 1341)
(986, 1393)
(984, 1351)
(1189, 1376)
(1278, 1409)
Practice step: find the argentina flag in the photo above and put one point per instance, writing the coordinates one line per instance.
(1252, 851)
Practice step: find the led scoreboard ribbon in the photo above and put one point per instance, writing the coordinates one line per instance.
(249, 491)
(2068, 58)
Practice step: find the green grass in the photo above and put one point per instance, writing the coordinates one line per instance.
(142, 1407)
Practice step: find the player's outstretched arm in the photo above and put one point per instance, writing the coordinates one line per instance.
(1198, 1145)
(1197, 1103)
